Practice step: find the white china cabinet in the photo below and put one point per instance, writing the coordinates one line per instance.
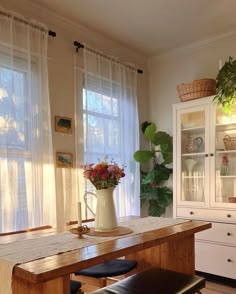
(205, 180)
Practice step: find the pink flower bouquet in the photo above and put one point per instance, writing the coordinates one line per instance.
(104, 175)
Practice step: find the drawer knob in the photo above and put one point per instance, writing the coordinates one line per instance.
(228, 215)
(212, 154)
(191, 212)
(229, 260)
(228, 234)
(206, 155)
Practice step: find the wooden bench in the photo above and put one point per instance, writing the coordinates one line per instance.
(156, 281)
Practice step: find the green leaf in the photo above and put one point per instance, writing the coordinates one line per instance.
(168, 157)
(159, 198)
(150, 131)
(226, 86)
(161, 138)
(154, 209)
(144, 125)
(143, 156)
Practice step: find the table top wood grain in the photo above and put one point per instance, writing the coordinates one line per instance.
(55, 266)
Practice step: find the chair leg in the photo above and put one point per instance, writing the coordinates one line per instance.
(102, 282)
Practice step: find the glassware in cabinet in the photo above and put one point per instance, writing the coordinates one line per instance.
(192, 155)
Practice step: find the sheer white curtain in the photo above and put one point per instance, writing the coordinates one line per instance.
(110, 122)
(27, 180)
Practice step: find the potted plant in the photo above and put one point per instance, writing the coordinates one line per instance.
(226, 86)
(153, 189)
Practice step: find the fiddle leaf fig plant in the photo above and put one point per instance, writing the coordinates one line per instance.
(226, 86)
(153, 189)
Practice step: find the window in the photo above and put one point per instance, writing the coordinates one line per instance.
(101, 129)
(14, 142)
(27, 179)
(110, 124)
(101, 132)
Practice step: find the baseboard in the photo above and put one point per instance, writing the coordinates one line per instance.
(218, 279)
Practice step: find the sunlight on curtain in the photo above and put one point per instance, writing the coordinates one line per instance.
(66, 195)
(27, 180)
(110, 122)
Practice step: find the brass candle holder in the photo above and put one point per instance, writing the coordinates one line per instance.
(80, 231)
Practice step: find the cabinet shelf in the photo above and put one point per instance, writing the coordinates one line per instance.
(193, 154)
(225, 151)
(192, 177)
(202, 128)
(228, 177)
(225, 127)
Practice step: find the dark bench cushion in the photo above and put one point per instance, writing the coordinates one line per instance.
(74, 287)
(111, 268)
(156, 281)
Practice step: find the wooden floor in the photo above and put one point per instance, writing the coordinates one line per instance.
(211, 288)
(215, 288)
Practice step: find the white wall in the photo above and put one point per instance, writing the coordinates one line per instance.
(61, 78)
(182, 66)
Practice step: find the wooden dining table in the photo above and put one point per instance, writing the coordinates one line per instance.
(170, 247)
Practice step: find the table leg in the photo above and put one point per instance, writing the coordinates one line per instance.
(59, 286)
(177, 255)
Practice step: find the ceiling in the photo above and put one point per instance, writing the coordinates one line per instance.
(150, 26)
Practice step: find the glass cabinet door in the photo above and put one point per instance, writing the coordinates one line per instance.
(193, 149)
(225, 159)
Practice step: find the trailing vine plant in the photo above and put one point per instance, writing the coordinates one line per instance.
(226, 86)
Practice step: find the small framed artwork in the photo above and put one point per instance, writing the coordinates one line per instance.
(64, 159)
(63, 124)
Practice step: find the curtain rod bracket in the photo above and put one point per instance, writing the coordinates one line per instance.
(52, 34)
(78, 45)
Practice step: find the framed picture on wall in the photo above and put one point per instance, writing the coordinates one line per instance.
(63, 124)
(64, 159)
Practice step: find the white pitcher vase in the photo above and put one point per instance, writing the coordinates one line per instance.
(190, 164)
(105, 216)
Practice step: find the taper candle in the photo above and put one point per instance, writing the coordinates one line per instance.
(79, 215)
(220, 64)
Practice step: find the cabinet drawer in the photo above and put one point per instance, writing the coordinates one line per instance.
(223, 233)
(209, 214)
(215, 259)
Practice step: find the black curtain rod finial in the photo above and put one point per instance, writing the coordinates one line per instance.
(51, 33)
(78, 45)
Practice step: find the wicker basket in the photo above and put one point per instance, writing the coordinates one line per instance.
(196, 89)
(229, 142)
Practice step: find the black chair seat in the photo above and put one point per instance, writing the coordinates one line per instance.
(74, 286)
(109, 269)
(156, 281)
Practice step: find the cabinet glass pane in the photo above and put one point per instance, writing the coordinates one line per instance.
(225, 159)
(193, 132)
(193, 156)
(225, 177)
(193, 119)
(193, 178)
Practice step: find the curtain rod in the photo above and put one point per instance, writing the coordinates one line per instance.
(17, 18)
(78, 45)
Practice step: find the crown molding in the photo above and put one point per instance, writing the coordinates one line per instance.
(194, 46)
(88, 36)
(51, 17)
